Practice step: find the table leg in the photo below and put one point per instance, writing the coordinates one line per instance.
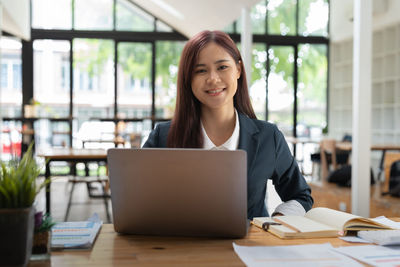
(47, 177)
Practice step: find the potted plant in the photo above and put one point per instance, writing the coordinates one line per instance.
(42, 236)
(18, 189)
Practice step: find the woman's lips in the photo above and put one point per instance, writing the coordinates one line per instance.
(215, 92)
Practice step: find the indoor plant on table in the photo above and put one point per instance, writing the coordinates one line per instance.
(18, 189)
(42, 236)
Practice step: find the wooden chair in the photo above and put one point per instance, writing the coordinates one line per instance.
(327, 146)
(388, 161)
(331, 157)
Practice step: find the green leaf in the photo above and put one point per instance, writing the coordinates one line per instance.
(18, 181)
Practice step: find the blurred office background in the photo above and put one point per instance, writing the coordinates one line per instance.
(90, 71)
(91, 64)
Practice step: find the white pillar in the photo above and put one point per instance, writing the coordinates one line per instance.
(246, 40)
(361, 154)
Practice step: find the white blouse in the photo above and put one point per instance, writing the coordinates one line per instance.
(231, 144)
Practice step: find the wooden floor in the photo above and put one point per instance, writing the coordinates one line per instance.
(82, 208)
(332, 196)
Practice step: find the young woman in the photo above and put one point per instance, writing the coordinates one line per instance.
(213, 111)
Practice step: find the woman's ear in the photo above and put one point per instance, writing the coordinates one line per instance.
(239, 69)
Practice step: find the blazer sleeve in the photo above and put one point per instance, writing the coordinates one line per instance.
(153, 139)
(287, 178)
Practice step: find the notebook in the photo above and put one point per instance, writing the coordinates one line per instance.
(185, 192)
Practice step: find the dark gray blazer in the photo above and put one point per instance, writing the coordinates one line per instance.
(268, 157)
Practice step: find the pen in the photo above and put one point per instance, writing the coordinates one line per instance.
(266, 225)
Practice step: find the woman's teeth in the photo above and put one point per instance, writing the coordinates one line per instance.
(215, 91)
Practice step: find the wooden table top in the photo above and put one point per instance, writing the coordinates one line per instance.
(76, 153)
(117, 140)
(348, 146)
(112, 249)
(302, 140)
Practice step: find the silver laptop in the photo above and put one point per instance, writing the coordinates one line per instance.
(186, 192)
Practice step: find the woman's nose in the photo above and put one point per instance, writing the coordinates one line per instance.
(213, 77)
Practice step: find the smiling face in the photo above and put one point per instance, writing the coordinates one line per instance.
(215, 76)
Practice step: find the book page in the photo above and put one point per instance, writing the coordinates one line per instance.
(303, 224)
(333, 218)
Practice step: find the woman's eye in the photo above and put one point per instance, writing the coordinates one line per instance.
(222, 67)
(200, 71)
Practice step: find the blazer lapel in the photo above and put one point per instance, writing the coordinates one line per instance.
(248, 139)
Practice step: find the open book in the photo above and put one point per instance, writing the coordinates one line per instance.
(317, 222)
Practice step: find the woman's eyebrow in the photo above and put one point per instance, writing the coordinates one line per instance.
(216, 62)
(220, 61)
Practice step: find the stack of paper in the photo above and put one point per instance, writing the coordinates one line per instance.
(75, 234)
(321, 255)
(383, 238)
(372, 255)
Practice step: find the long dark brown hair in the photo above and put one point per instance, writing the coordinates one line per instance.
(185, 130)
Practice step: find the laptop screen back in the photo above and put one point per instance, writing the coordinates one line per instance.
(187, 192)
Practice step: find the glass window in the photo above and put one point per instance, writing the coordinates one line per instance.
(258, 86)
(282, 17)
(162, 27)
(313, 17)
(93, 87)
(134, 78)
(50, 14)
(132, 18)
(230, 28)
(17, 79)
(4, 76)
(257, 15)
(59, 135)
(280, 87)
(11, 78)
(65, 74)
(93, 14)
(167, 61)
(311, 92)
(50, 59)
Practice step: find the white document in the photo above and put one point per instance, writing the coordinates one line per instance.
(373, 255)
(75, 234)
(354, 239)
(320, 255)
(381, 237)
(387, 222)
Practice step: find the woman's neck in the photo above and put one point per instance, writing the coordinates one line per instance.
(219, 124)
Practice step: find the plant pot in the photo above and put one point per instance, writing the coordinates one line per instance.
(16, 232)
(41, 246)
